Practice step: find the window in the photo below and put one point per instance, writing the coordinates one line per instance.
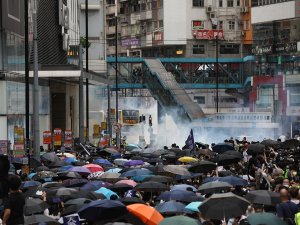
(200, 99)
(231, 25)
(229, 3)
(238, 3)
(220, 25)
(220, 3)
(198, 49)
(198, 3)
(246, 25)
(230, 49)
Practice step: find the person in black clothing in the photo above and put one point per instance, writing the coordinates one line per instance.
(4, 168)
(286, 210)
(14, 204)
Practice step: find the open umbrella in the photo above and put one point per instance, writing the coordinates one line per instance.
(95, 175)
(74, 182)
(68, 174)
(179, 220)
(234, 153)
(120, 187)
(202, 167)
(29, 183)
(214, 187)
(34, 205)
(58, 164)
(136, 172)
(265, 219)
(131, 200)
(39, 219)
(107, 192)
(147, 214)
(187, 159)
(223, 206)
(103, 162)
(255, 149)
(41, 168)
(83, 171)
(263, 197)
(151, 186)
(178, 195)
(134, 163)
(132, 183)
(159, 178)
(176, 169)
(222, 147)
(290, 144)
(183, 187)
(226, 159)
(44, 174)
(94, 185)
(233, 180)
(50, 156)
(93, 168)
(102, 210)
(170, 207)
(206, 152)
(193, 206)
(270, 142)
(77, 201)
(114, 170)
(111, 177)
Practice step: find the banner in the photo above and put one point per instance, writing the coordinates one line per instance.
(57, 133)
(47, 137)
(19, 142)
(3, 147)
(208, 34)
(68, 138)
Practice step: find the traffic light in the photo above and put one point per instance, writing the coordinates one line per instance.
(150, 121)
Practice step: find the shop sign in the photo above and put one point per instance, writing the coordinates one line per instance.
(130, 42)
(3, 147)
(68, 138)
(130, 116)
(19, 141)
(258, 50)
(57, 133)
(285, 48)
(197, 25)
(47, 137)
(208, 34)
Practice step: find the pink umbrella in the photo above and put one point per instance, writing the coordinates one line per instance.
(93, 168)
(129, 182)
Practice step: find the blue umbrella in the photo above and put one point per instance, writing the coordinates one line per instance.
(183, 187)
(186, 177)
(193, 206)
(134, 163)
(94, 185)
(30, 183)
(136, 172)
(70, 159)
(178, 195)
(106, 192)
(142, 178)
(103, 162)
(170, 207)
(114, 170)
(233, 180)
(64, 168)
(102, 210)
(30, 176)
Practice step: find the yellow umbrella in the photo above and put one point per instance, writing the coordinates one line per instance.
(187, 159)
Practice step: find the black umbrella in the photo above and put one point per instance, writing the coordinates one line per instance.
(177, 195)
(206, 152)
(50, 157)
(102, 210)
(254, 149)
(234, 153)
(225, 159)
(34, 205)
(59, 163)
(41, 168)
(263, 197)
(202, 167)
(34, 192)
(222, 147)
(214, 187)
(120, 187)
(63, 191)
(71, 209)
(77, 201)
(68, 174)
(74, 182)
(131, 200)
(170, 207)
(43, 175)
(269, 142)
(159, 178)
(52, 185)
(39, 219)
(151, 186)
(224, 206)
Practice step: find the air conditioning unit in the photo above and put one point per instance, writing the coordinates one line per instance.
(244, 9)
(209, 9)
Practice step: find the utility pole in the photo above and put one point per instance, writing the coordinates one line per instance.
(27, 140)
(116, 66)
(36, 137)
(87, 67)
(217, 74)
(81, 101)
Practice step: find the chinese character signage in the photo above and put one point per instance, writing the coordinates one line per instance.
(297, 8)
(3, 147)
(197, 25)
(130, 42)
(57, 133)
(208, 34)
(68, 138)
(47, 137)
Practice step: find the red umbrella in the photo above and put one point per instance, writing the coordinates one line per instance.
(129, 182)
(94, 168)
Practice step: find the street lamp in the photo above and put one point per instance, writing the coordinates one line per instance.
(116, 66)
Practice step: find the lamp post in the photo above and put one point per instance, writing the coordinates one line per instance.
(36, 139)
(87, 67)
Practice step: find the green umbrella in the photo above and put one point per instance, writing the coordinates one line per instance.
(264, 218)
(179, 220)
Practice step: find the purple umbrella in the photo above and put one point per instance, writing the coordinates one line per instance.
(134, 163)
(81, 170)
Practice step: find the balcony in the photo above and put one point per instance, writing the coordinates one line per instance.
(110, 9)
(110, 30)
